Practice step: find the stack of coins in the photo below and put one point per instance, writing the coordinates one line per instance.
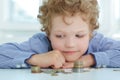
(78, 66)
(35, 69)
(54, 72)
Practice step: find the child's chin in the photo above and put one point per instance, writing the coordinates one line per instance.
(71, 60)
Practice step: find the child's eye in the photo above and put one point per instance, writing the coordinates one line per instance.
(79, 36)
(59, 36)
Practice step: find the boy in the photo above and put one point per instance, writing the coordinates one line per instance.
(70, 36)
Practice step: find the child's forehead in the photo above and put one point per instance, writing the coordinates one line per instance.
(67, 17)
(68, 20)
(69, 23)
(74, 27)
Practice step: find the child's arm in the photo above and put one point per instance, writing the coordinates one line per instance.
(13, 55)
(88, 61)
(106, 51)
(52, 59)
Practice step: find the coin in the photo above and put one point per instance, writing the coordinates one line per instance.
(54, 73)
(35, 69)
(78, 66)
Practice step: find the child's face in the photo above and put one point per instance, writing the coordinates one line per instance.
(71, 39)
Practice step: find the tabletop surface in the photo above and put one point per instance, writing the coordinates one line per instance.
(92, 74)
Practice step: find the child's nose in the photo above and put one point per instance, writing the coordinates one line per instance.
(70, 43)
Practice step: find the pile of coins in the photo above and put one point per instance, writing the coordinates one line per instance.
(35, 69)
(54, 72)
(78, 66)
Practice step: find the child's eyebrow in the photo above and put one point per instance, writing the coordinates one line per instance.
(58, 31)
(82, 32)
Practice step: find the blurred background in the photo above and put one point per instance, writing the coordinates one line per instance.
(18, 19)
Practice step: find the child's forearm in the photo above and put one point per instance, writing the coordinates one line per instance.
(88, 60)
(53, 58)
(32, 60)
(38, 60)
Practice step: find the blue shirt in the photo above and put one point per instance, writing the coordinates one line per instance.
(106, 51)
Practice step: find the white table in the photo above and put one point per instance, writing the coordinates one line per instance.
(94, 74)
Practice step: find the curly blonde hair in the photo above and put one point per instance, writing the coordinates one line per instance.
(87, 8)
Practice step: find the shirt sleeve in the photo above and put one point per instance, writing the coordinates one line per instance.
(106, 51)
(13, 55)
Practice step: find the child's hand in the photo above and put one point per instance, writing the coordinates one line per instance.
(88, 60)
(53, 58)
(68, 65)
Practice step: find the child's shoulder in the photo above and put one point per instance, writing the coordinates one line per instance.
(97, 35)
(40, 35)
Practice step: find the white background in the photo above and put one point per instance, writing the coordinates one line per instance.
(18, 32)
